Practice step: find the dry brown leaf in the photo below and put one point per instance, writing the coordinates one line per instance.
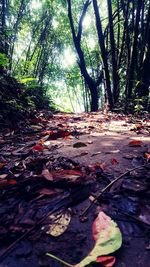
(47, 175)
(59, 223)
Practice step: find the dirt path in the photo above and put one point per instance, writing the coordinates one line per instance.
(106, 138)
(63, 161)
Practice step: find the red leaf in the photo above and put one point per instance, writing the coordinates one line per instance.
(147, 156)
(139, 126)
(60, 133)
(47, 175)
(12, 182)
(114, 161)
(67, 174)
(103, 166)
(135, 143)
(107, 261)
(37, 148)
(99, 225)
(2, 165)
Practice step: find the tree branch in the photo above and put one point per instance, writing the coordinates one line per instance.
(87, 3)
(71, 20)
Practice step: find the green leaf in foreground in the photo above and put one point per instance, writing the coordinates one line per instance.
(107, 236)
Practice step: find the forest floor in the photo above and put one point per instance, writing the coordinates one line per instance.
(52, 167)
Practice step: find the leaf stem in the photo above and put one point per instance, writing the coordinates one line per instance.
(58, 259)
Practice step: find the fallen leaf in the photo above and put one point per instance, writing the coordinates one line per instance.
(12, 182)
(103, 166)
(48, 133)
(47, 175)
(47, 143)
(36, 127)
(129, 156)
(59, 223)
(107, 238)
(138, 127)
(135, 143)
(2, 165)
(147, 156)
(144, 214)
(95, 134)
(72, 175)
(106, 261)
(81, 155)
(37, 148)
(114, 161)
(90, 142)
(79, 144)
(3, 176)
(3, 183)
(47, 192)
(59, 134)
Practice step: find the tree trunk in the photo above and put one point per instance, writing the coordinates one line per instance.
(113, 54)
(144, 84)
(92, 84)
(15, 31)
(103, 52)
(131, 75)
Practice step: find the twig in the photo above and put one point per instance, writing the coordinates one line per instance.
(11, 246)
(108, 186)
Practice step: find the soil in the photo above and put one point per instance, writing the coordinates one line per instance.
(99, 147)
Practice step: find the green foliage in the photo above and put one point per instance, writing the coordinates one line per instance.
(37, 34)
(35, 95)
(3, 60)
(27, 80)
(139, 104)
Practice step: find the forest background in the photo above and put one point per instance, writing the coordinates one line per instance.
(75, 55)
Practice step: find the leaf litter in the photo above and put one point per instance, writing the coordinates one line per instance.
(43, 193)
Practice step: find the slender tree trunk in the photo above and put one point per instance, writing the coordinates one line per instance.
(92, 84)
(144, 84)
(124, 38)
(15, 31)
(3, 27)
(113, 54)
(118, 30)
(131, 75)
(126, 42)
(145, 30)
(103, 52)
(3, 16)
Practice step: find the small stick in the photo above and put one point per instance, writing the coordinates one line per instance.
(11, 246)
(108, 186)
(58, 259)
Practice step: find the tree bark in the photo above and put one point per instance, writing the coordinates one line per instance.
(131, 75)
(103, 52)
(15, 31)
(92, 84)
(144, 84)
(113, 54)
